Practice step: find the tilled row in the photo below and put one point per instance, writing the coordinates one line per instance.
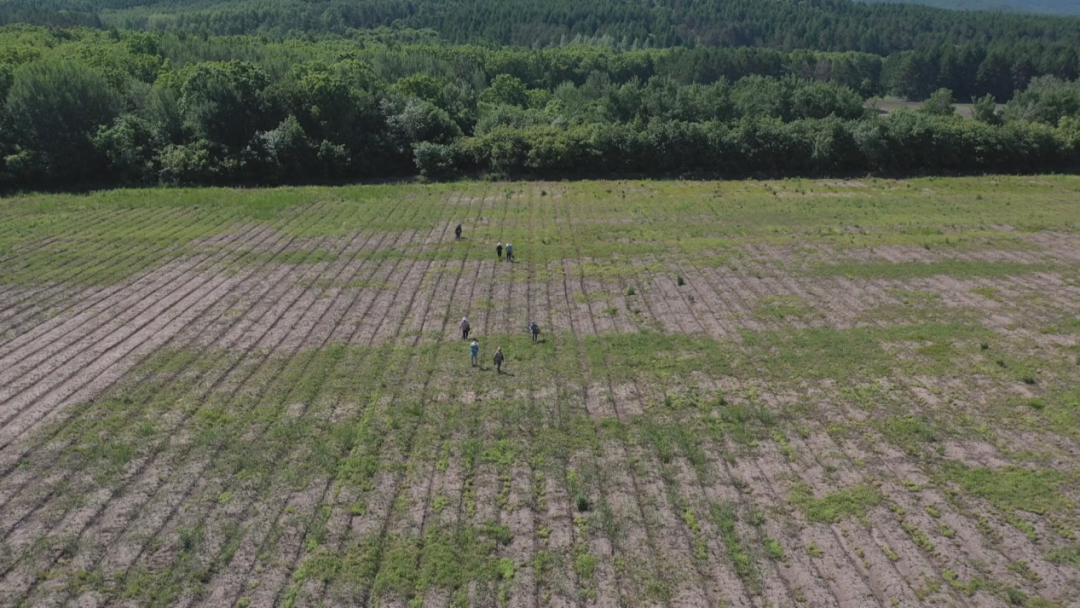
(620, 518)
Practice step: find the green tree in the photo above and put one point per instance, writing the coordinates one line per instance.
(984, 109)
(940, 103)
(223, 103)
(423, 87)
(54, 108)
(506, 89)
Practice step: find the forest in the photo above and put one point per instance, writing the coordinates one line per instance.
(1039, 7)
(825, 25)
(90, 106)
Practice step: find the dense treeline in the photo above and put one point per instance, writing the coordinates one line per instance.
(1042, 7)
(138, 108)
(827, 25)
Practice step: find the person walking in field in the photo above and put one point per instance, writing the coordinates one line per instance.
(509, 252)
(465, 327)
(535, 330)
(457, 232)
(498, 250)
(499, 360)
(474, 351)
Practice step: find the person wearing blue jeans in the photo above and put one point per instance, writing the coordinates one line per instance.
(474, 350)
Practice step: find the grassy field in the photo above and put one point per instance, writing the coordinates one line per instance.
(819, 393)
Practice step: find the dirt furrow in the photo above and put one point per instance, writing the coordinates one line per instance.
(310, 593)
(556, 583)
(887, 579)
(97, 370)
(294, 298)
(137, 465)
(92, 313)
(92, 331)
(727, 287)
(776, 588)
(802, 576)
(421, 445)
(971, 545)
(706, 566)
(618, 451)
(79, 225)
(142, 464)
(36, 452)
(50, 242)
(682, 496)
(705, 315)
(135, 553)
(381, 402)
(336, 521)
(807, 580)
(60, 297)
(295, 551)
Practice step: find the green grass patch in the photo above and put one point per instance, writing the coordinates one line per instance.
(724, 516)
(655, 356)
(782, 307)
(1013, 488)
(835, 506)
(910, 433)
(921, 270)
(1068, 555)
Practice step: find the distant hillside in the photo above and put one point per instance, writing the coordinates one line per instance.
(826, 25)
(1038, 7)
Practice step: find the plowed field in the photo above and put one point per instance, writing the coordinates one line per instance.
(743, 394)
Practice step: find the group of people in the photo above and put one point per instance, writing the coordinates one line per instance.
(465, 327)
(474, 346)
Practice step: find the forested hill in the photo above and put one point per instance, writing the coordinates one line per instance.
(1043, 7)
(827, 25)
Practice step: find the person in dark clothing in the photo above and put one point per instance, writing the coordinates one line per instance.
(498, 250)
(457, 232)
(535, 330)
(465, 327)
(499, 360)
(509, 252)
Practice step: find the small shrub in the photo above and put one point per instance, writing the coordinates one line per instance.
(679, 280)
(1016, 597)
(585, 565)
(582, 503)
(773, 548)
(630, 291)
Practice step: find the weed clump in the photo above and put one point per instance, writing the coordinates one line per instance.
(679, 280)
(1016, 597)
(582, 503)
(1065, 555)
(835, 506)
(774, 550)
